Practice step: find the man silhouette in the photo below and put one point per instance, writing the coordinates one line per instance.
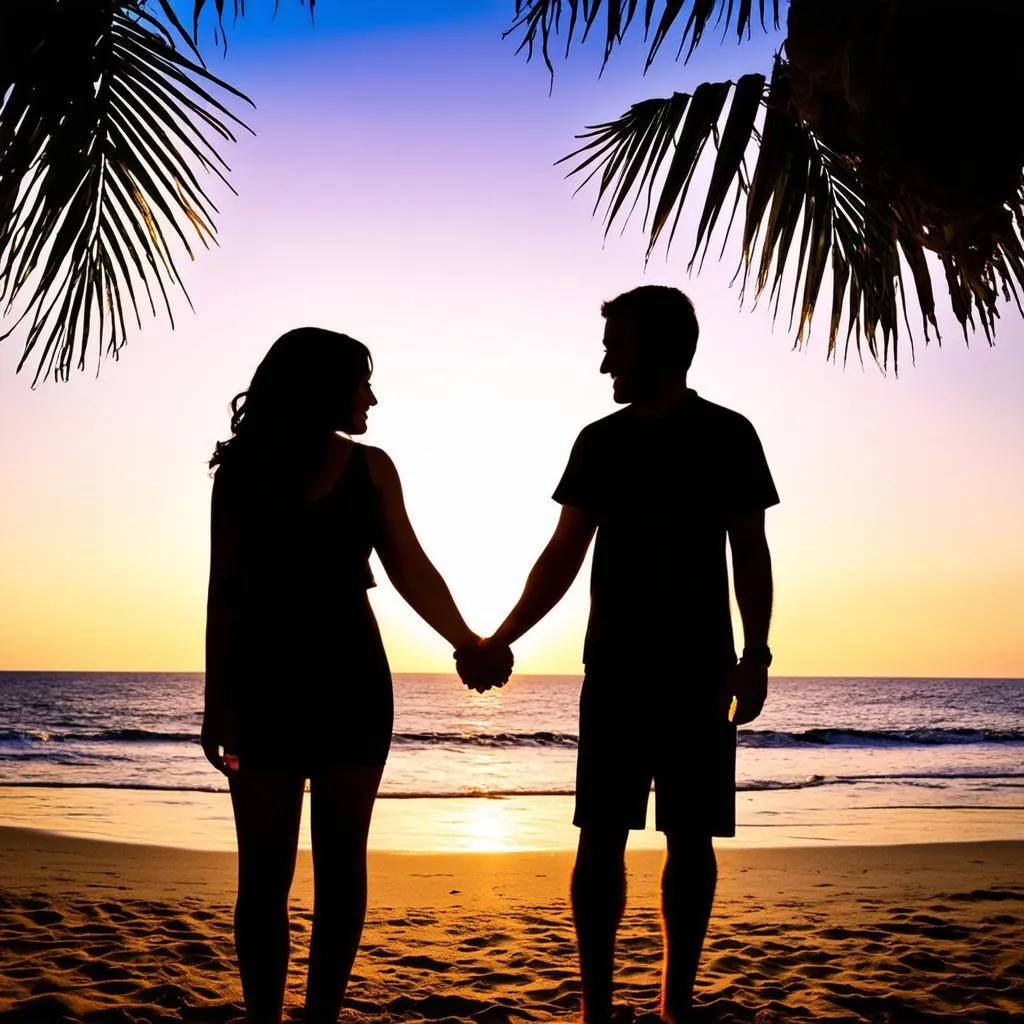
(663, 483)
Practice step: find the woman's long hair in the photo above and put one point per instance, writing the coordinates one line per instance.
(303, 390)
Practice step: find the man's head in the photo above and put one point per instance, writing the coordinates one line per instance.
(650, 336)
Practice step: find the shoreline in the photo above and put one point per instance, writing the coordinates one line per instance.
(781, 819)
(98, 931)
(27, 856)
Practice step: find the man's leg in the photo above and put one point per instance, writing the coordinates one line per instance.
(687, 893)
(598, 900)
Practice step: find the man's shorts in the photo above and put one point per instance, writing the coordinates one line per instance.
(638, 728)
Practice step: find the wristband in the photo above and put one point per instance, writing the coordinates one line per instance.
(761, 655)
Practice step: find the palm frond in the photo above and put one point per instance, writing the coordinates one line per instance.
(800, 186)
(540, 21)
(858, 180)
(869, 237)
(219, 32)
(805, 209)
(103, 128)
(670, 136)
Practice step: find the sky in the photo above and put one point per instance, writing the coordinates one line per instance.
(402, 187)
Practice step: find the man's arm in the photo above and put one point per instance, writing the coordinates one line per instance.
(752, 582)
(551, 575)
(752, 576)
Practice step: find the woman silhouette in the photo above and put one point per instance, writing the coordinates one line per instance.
(297, 681)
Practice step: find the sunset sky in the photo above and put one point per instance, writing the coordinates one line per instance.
(402, 188)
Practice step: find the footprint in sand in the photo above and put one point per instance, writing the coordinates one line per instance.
(436, 1006)
(193, 948)
(116, 988)
(491, 978)
(1000, 919)
(921, 961)
(45, 917)
(169, 996)
(100, 970)
(815, 971)
(427, 963)
(94, 929)
(988, 894)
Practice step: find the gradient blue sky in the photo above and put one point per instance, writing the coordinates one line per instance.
(402, 187)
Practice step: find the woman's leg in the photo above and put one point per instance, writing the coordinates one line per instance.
(267, 808)
(340, 808)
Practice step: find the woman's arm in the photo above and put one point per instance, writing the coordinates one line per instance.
(218, 728)
(405, 561)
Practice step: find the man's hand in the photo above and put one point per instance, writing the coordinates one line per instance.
(747, 685)
(484, 664)
(218, 734)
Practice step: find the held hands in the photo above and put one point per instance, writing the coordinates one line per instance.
(218, 737)
(484, 664)
(744, 690)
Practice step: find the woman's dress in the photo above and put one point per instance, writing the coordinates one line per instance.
(307, 678)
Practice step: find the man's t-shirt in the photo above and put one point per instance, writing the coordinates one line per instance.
(662, 491)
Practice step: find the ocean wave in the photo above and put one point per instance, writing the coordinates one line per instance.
(24, 737)
(754, 738)
(486, 739)
(938, 777)
(925, 736)
(743, 786)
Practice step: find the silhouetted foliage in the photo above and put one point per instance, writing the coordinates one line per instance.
(879, 136)
(109, 121)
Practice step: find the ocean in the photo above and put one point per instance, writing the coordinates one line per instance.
(829, 760)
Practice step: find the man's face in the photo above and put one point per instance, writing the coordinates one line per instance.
(623, 361)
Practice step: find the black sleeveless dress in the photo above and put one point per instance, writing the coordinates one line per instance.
(307, 677)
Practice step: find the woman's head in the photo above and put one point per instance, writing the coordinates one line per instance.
(310, 383)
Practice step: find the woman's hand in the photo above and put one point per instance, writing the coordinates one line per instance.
(218, 738)
(484, 664)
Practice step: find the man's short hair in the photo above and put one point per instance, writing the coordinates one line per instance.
(664, 321)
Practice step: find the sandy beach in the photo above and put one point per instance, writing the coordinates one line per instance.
(107, 932)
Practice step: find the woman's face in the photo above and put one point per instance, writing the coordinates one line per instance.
(365, 398)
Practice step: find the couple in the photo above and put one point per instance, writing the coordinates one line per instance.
(298, 685)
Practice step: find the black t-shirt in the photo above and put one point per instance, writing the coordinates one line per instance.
(662, 491)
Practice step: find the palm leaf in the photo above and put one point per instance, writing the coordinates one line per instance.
(799, 186)
(219, 33)
(105, 128)
(732, 147)
(805, 214)
(833, 200)
(700, 123)
(632, 146)
(670, 135)
(540, 21)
